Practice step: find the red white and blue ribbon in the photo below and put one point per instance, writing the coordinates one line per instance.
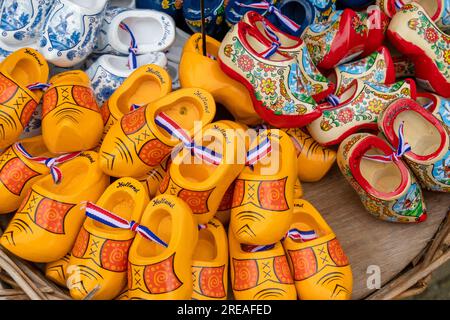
(202, 226)
(333, 100)
(51, 163)
(135, 107)
(174, 129)
(402, 148)
(132, 60)
(250, 248)
(272, 34)
(304, 236)
(260, 151)
(39, 86)
(398, 4)
(271, 51)
(270, 8)
(112, 220)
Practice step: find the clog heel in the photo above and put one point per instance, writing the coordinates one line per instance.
(264, 192)
(161, 269)
(57, 271)
(141, 140)
(210, 262)
(47, 222)
(68, 103)
(260, 272)
(100, 253)
(320, 267)
(19, 72)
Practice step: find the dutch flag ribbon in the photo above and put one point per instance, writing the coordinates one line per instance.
(250, 248)
(333, 100)
(133, 49)
(39, 86)
(304, 236)
(271, 51)
(260, 151)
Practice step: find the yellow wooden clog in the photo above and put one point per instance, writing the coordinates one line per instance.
(154, 177)
(100, 254)
(71, 119)
(263, 195)
(260, 275)
(144, 85)
(47, 222)
(57, 270)
(157, 272)
(136, 144)
(201, 183)
(224, 210)
(210, 263)
(18, 71)
(18, 173)
(298, 189)
(320, 267)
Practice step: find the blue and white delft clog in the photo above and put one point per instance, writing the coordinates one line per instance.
(214, 12)
(171, 7)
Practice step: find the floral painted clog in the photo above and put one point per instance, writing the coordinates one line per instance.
(359, 107)
(18, 100)
(47, 222)
(172, 8)
(141, 141)
(70, 31)
(313, 160)
(204, 72)
(210, 263)
(428, 138)
(377, 22)
(264, 193)
(202, 179)
(415, 35)
(320, 267)
(271, 77)
(214, 13)
(108, 72)
(159, 271)
(67, 103)
(57, 270)
(388, 189)
(100, 254)
(260, 273)
(378, 67)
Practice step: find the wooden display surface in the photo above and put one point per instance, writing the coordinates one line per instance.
(367, 240)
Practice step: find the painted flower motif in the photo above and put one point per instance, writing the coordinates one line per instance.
(358, 25)
(447, 56)
(301, 109)
(265, 67)
(325, 125)
(431, 35)
(345, 115)
(406, 92)
(372, 207)
(289, 108)
(375, 106)
(378, 76)
(268, 86)
(228, 50)
(245, 63)
(413, 23)
(381, 64)
(165, 4)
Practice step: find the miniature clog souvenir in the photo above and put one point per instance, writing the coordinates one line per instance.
(264, 193)
(313, 160)
(359, 107)
(428, 138)
(319, 266)
(100, 253)
(260, 273)
(378, 67)
(387, 188)
(213, 15)
(144, 85)
(404, 67)
(415, 35)
(162, 270)
(68, 103)
(57, 270)
(201, 178)
(210, 263)
(70, 31)
(140, 141)
(270, 76)
(18, 100)
(19, 170)
(204, 72)
(21, 21)
(47, 222)
(153, 178)
(108, 72)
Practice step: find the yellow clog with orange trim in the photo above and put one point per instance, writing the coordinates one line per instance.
(163, 273)
(153, 178)
(57, 270)
(224, 210)
(49, 218)
(136, 144)
(320, 267)
(100, 253)
(210, 263)
(19, 70)
(71, 119)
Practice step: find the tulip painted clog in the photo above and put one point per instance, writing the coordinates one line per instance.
(57, 270)
(68, 103)
(163, 271)
(210, 263)
(100, 253)
(260, 273)
(359, 107)
(428, 138)
(320, 267)
(18, 100)
(388, 189)
(140, 142)
(47, 222)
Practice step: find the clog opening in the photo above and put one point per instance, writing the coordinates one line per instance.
(430, 6)
(332, 77)
(383, 177)
(144, 90)
(349, 93)
(285, 40)
(120, 203)
(74, 176)
(211, 48)
(120, 63)
(305, 223)
(422, 136)
(260, 48)
(427, 102)
(160, 223)
(206, 249)
(145, 31)
(36, 147)
(26, 71)
(184, 111)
